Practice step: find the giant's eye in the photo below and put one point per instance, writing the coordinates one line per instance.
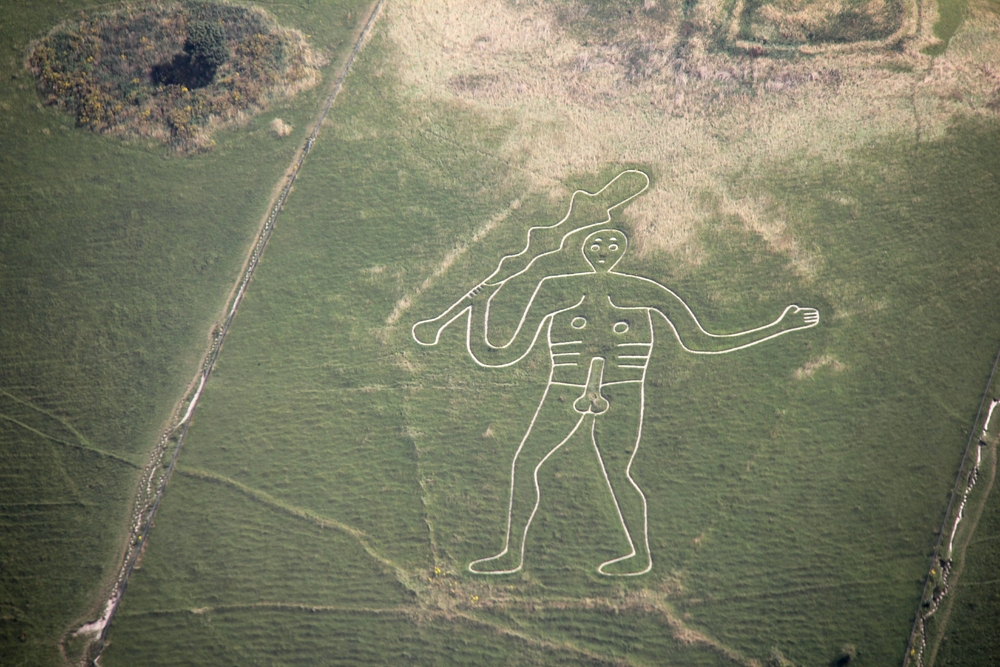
(595, 248)
(613, 247)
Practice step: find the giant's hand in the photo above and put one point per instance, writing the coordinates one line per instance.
(796, 317)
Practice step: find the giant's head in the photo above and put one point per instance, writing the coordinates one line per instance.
(604, 248)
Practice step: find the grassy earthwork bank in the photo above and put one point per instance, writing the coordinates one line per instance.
(338, 478)
(115, 259)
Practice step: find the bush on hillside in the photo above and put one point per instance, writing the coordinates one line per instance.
(206, 44)
(174, 72)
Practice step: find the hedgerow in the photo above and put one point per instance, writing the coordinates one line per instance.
(145, 70)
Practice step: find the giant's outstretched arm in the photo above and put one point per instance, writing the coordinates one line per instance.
(642, 292)
(474, 310)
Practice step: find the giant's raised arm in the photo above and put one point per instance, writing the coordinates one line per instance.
(645, 293)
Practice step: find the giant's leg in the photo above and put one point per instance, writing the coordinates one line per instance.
(616, 435)
(553, 423)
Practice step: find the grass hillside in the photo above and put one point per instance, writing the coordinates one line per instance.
(116, 260)
(338, 478)
(795, 489)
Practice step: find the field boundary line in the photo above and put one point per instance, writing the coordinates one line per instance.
(936, 579)
(956, 573)
(155, 477)
(283, 606)
(85, 448)
(298, 512)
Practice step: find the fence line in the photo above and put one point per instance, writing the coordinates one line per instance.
(155, 476)
(936, 581)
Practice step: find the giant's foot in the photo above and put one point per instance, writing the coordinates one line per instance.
(506, 562)
(627, 566)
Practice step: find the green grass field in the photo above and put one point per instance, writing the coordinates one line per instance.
(789, 513)
(951, 13)
(338, 478)
(116, 259)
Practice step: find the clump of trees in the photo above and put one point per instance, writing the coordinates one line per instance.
(172, 72)
(206, 49)
(207, 45)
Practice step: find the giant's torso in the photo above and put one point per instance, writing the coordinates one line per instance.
(596, 328)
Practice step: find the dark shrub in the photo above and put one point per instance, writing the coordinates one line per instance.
(173, 72)
(206, 44)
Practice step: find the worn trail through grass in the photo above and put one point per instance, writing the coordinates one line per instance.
(432, 602)
(302, 513)
(81, 442)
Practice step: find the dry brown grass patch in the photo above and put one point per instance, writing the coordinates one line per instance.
(759, 216)
(280, 128)
(698, 120)
(809, 369)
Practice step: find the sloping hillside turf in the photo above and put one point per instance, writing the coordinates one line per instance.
(788, 509)
(114, 262)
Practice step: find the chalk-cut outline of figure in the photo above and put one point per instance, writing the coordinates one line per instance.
(623, 305)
